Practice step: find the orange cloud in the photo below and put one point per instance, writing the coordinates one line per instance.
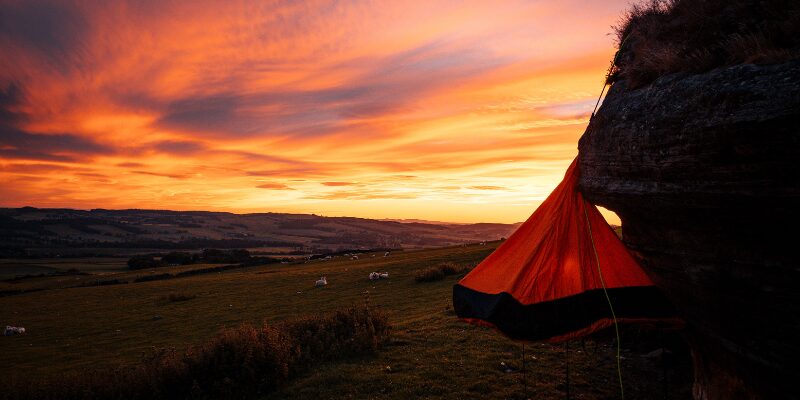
(338, 183)
(274, 186)
(439, 110)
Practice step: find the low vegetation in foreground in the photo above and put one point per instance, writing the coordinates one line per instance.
(239, 362)
(438, 272)
(76, 335)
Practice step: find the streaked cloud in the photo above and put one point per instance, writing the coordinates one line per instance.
(439, 109)
(338, 183)
(274, 186)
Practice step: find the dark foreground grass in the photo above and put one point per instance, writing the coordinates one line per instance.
(430, 354)
(176, 297)
(240, 362)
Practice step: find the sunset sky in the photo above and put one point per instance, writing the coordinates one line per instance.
(440, 110)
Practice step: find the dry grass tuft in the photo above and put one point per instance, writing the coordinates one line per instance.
(242, 362)
(438, 272)
(177, 297)
(661, 37)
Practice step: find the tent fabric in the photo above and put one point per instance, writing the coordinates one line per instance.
(544, 283)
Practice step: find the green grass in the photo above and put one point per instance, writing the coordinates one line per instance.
(431, 353)
(93, 276)
(10, 268)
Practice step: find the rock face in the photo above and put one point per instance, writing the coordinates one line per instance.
(704, 171)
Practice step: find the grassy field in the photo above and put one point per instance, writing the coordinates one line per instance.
(15, 267)
(431, 353)
(91, 272)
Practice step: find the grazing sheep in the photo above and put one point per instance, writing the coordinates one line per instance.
(14, 330)
(321, 282)
(355, 258)
(374, 276)
(386, 254)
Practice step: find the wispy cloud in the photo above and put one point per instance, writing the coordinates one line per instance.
(429, 109)
(274, 186)
(338, 183)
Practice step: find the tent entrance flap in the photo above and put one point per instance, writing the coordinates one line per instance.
(547, 282)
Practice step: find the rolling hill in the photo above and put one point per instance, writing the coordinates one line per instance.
(32, 231)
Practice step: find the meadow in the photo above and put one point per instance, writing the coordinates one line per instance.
(430, 353)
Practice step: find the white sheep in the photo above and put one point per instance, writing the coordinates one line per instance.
(386, 254)
(321, 282)
(374, 276)
(14, 330)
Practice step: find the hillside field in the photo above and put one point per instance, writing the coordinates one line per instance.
(431, 354)
(49, 232)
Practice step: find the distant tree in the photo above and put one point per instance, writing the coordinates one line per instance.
(225, 256)
(213, 256)
(141, 262)
(177, 258)
(239, 255)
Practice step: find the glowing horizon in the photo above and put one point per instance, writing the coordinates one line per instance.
(430, 110)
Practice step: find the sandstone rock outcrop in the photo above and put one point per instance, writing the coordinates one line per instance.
(704, 171)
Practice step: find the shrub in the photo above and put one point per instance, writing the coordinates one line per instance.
(106, 282)
(144, 261)
(660, 37)
(177, 258)
(428, 275)
(438, 272)
(242, 362)
(150, 278)
(216, 256)
(177, 297)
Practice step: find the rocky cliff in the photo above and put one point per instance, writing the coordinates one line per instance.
(704, 171)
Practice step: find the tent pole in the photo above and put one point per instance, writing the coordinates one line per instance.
(566, 346)
(524, 374)
(664, 365)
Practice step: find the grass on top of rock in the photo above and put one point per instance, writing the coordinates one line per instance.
(661, 37)
(240, 362)
(438, 272)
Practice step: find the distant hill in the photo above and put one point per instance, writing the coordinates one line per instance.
(64, 232)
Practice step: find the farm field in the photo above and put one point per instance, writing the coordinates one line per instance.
(431, 354)
(89, 273)
(15, 267)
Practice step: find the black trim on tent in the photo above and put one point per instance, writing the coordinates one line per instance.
(549, 319)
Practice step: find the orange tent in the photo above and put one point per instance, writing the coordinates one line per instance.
(562, 275)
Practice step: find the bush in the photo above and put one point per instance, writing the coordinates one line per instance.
(177, 297)
(177, 258)
(107, 282)
(660, 37)
(243, 362)
(216, 256)
(428, 275)
(438, 272)
(150, 278)
(142, 262)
